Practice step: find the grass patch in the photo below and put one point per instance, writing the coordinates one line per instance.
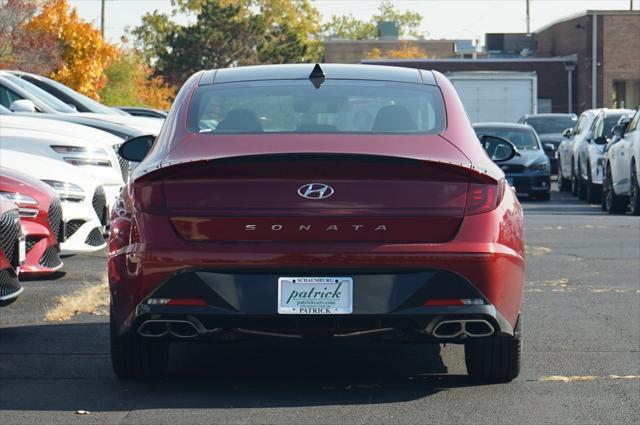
(90, 299)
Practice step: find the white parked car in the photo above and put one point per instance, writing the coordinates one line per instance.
(567, 157)
(621, 189)
(92, 150)
(19, 95)
(590, 153)
(84, 210)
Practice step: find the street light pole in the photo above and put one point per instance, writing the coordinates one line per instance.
(102, 18)
(529, 16)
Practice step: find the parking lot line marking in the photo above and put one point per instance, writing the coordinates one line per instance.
(583, 378)
(536, 250)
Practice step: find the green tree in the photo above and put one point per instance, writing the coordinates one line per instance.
(227, 33)
(220, 37)
(130, 83)
(150, 37)
(349, 28)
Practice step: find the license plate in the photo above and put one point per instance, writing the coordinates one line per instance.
(510, 180)
(315, 295)
(22, 250)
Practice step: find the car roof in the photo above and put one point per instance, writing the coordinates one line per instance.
(330, 70)
(549, 115)
(505, 125)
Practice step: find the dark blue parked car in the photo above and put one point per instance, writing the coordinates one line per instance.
(529, 171)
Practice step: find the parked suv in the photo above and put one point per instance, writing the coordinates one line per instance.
(590, 152)
(621, 188)
(550, 128)
(529, 171)
(567, 161)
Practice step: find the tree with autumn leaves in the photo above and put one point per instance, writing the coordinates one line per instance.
(49, 38)
(85, 54)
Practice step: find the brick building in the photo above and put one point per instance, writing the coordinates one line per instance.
(553, 76)
(607, 48)
(564, 54)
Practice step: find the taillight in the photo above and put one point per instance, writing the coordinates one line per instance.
(483, 197)
(149, 196)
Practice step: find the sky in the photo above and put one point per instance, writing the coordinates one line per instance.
(453, 19)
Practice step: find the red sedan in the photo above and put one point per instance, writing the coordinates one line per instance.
(11, 245)
(317, 201)
(41, 217)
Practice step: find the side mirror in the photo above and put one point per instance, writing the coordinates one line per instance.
(600, 140)
(567, 133)
(548, 147)
(618, 130)
(498, 149)
(22, 105)
(136, 149)
(72, 106)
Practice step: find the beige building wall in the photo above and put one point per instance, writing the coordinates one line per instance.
(621, 56)
(354, 51)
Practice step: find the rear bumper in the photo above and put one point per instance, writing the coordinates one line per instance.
(487, 254)
(534, 183)
(245, 303)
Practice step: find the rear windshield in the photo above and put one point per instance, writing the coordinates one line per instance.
(523, 139)
(550, 125)
(336, 106)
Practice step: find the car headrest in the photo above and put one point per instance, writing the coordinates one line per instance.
(241, 121)
(393, 118)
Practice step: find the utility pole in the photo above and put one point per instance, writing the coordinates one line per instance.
(630, 4)
(102, 18)
(529, 16)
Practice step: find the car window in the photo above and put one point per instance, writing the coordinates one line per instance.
(634, 122)
(579, 125)
(608, 123)
(8, 96)
(599, 126)
(39, 94)
(583, 124)
(335, 106)
(523, 139)
(550, 125)
(87, 102)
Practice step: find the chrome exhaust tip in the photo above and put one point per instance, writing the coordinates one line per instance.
(153, 329)
(160, 328)
(183, 329)
(475, 328)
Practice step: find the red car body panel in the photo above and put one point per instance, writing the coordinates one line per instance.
(41, 237)
(209, 188)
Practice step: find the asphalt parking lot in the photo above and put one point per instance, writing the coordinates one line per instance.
(581, 353)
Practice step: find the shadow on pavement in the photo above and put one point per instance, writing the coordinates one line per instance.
(65, 367)
(33, 278)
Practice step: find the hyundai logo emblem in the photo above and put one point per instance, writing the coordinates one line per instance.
(315, 191)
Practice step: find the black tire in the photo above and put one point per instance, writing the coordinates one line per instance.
(614, 204)
(582, 185)
(135, 357)
(494, 359)
(575, 182)
(593, 191)
(634, 193)
(563, 184)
